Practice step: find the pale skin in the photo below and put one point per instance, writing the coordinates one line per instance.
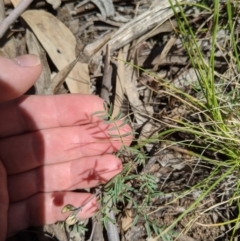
(49, 146)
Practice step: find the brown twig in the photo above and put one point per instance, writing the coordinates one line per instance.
(21, 7)
(107, 78)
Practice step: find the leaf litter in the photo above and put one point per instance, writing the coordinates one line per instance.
(150, 82)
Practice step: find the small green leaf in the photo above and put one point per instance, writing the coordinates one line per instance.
(68, 208)
(117, 136)
(110, 110)
(148, 229)
(135, 220)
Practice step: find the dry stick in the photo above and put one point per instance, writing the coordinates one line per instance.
(165, 52)
(21, 7)
(107, 78)
(112, 230)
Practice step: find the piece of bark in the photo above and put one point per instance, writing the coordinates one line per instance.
(97, 231)
(142, 24)
(97, 46)
(107, 78)
(164, 52)
(111, 226)
(120, 85)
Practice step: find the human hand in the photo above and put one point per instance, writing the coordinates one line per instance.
(49, 145)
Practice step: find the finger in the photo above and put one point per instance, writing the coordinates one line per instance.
(45, 208)
(31, 113)
(84, 173)
(18, 75)
(3, 202)
(25, 152)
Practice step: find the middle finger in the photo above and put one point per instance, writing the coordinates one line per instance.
(24, 152)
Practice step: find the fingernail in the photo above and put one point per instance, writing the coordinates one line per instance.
(28, 60)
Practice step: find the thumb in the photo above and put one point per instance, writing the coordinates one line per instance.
(18, 75)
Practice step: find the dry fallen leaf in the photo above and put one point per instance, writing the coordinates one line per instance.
(127, 220)
(59, 43)
(55, 3)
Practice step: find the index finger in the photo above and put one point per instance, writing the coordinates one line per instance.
(31, 113)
